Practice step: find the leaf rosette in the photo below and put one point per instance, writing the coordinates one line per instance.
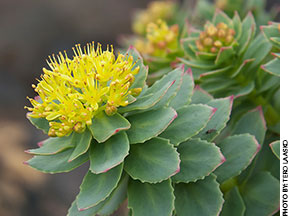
(226, 55)
(157, 146)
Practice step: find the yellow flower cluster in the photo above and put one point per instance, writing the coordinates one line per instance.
(160, 39)
(73, 90)
(213, 38)
(156, 10)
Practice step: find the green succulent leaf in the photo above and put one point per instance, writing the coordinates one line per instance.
(106, 207)
(239, 151)
(105, 156)
(243, 67)
(140, 78)
(103, 126)
(73, 210)
(153, 161)
(258, 50)
(220, 16)
(190, 121)
(237, 25)
(40, 123)
(224, 54)
(219, 120)
(96, 188)
(234, 204)
(200, 96)
(239, 91)
(112, 202)
(253, 122)
(212, 85)
(271, 30)
(175, 75)
(184, 95)
(198, 159)
(275, 147)
(185, 46)
(147, 101)
(150, 199)
(53, 145)
(203, 198)
(214, 72)
(197, 64)
(147, 125)
(81, 141)
(261, 195)
(57, 163)
(249, 28)
(272, 67)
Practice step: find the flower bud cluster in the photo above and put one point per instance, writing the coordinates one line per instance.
(160, 39)
(156, 10)
(215, 37)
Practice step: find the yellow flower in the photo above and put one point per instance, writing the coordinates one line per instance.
(160, 39)
(215, 37)
(156, 10)
(73, 90)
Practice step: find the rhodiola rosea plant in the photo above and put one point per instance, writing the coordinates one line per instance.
(154, 146)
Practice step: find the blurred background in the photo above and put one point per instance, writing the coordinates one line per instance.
(31, 30)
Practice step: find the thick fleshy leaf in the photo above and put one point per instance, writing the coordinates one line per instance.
(103, 126)
(239, 151)
(219, 120)
(200, 198)
(153, 77)
(244, 66)
(238, 90)
(147, 125)
(220, 16)
(271, 30)
(141, 77)
(249, 28)
(237, 25)
(73, 210)
(96, 188)
(112, 202)
(198, 159)
(190, 121)
(234, 204)
(184, 95)
(261, 195)
(106, 207)
(258, 50)
(275, 147)
(153, 161)
(252, 122)
(147, 101)
(150, 199)
(212, 85)
(81, 141)
(200, 96)
(40, 123)
(52, 145)
(224, 54)
(215, 72)
(272, 67)
(56, 163)
(105, 156)
(197, 64)
(175, 75)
